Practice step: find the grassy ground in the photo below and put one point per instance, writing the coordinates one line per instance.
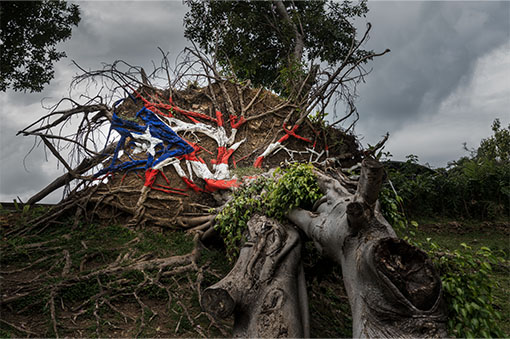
(94, 280)
(476, 234)
(100, 280)
(450, 234)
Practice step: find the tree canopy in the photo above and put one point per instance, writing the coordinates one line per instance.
(269, 42)
(29, 33)
(497, 146)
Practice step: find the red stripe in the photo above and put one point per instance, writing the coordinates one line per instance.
(236, 124)
(153, 106)
(169, 192)
(211, 153)
(293, 133)
(150, 177)
(258, 162)
(285, 137)
(171, 188)
(192, 185)
(109, 174)
(212, 185)
(246, 156)
(190, 117)
(193, 155)
(164, 177)
(223, 155)
(219, 118)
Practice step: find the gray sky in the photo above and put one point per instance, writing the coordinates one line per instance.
(444, 82)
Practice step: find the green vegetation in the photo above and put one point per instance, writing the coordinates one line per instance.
(291, 187)
(468, 287)
(473, 275)
(180, 243)
(271, 43)
(64, 261)
(90, 273)
(468, 276)
(29, 32)
(473, 187)
(297, 187)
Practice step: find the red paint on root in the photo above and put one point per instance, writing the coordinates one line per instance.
(212, 185)
(258, 162)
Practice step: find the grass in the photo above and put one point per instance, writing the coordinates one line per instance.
(329, 309)
(93, 247)
(451, 234)
(178, 244)
(502, 299)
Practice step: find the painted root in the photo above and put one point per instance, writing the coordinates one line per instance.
(392, 287)
(159, 139)
(265, 291)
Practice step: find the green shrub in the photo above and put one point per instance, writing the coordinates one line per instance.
(465, 276)
(291, 187)
(468, 290)
(297, 187)
(232, 220)
(477, 186)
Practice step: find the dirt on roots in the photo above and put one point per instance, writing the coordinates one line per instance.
(118, 197)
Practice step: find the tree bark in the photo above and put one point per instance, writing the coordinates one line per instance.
(299, 43)
(392, 287)
(265, 291)
(66, 178)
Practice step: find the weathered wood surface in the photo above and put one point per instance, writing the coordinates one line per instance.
(265, 291)
(392, 287)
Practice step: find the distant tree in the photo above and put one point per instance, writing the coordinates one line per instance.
(497, 146)
(29, 32)
(276, 43)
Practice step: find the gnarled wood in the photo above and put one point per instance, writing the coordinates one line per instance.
(265, 291)
(392, 286)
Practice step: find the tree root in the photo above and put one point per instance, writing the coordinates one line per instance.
(114, 285)
(17, 328)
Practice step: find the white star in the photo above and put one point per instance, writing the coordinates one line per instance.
(146, 142)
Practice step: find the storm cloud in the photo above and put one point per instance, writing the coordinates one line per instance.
(435, 49)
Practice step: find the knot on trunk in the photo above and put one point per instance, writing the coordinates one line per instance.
(410, 271)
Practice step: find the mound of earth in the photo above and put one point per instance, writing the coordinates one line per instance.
(178, 194)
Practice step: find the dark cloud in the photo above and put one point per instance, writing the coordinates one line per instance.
(16, 177)
(127, 30)
(435, 47)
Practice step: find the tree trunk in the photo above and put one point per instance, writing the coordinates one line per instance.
(392, 286)
(266, 289)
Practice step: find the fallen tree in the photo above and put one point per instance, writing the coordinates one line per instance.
(180, 146)
(169, 159)
(393, 288)
(266, 289)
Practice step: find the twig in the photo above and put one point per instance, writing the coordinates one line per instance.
(17, 328)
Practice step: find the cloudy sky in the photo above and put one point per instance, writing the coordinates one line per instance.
(444, 82)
